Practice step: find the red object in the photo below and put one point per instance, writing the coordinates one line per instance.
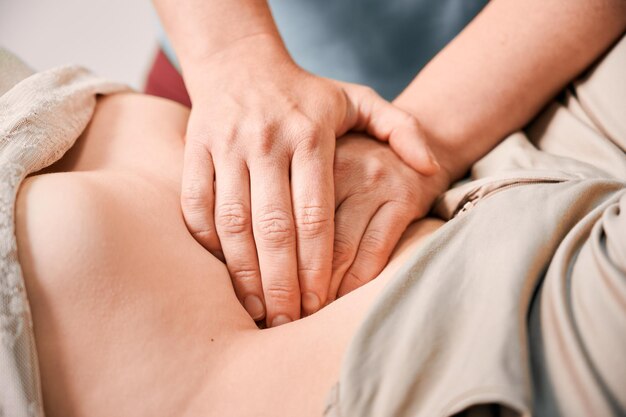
(165, 81)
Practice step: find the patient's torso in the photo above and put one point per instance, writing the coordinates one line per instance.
(132, 316)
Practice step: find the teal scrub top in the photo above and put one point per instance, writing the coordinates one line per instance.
(379, 43)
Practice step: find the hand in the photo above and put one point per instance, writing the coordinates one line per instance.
(265, 131)
(377, 197)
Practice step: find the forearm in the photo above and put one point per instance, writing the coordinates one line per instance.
(499, 72)
(201, 29)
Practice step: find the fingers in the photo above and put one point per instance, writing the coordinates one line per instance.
(380, 238)
(313, 206)
(234, 226)
(197, 196)
(275, 237)
(351, 220)
(386, 122)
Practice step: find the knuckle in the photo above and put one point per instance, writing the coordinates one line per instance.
(368, 91)
(197, 143)
(373, 243)
(202, 233)
(399, 195)
(244, 277)
(313, 270)
(356, 278)
(313, 221)
(227, 138)
(275, 227)
(335, 94)
(343, 252)
(194, 195)
(409, 120)
(339, 95)
(308, 133)
(376, 172)
(232, 217)
(282, 293)
(343, 166)
(199, 224)
(264, 133)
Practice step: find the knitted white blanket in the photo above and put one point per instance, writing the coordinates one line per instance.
(41, 115)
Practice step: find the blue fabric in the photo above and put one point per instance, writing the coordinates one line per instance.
(380, 43)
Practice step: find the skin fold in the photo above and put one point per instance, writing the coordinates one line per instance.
(132, 316)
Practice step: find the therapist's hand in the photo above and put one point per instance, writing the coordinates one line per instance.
(264, 130)
(377, 197)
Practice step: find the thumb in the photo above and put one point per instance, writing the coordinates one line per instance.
(369, 112)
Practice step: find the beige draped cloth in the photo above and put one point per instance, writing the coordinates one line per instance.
(41, 115)
(518, 301)
(517, 306)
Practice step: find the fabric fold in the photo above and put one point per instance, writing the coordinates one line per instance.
(41, 115)
(517, 306)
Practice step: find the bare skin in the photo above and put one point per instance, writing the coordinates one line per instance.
(488, 82)
(132, 315)
(264, 131)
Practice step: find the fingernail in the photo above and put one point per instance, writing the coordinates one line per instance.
(431, 155)
(433, 160)
(280, 320)
(433, 166)
(310, 302)
(254, 307)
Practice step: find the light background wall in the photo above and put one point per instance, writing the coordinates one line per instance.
(114, 38)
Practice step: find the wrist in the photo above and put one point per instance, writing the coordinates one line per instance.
(253, 43)
(199, 29)
(249, 54)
